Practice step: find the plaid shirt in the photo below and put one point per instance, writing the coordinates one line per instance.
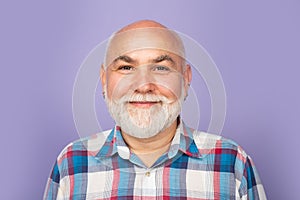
(198, 166)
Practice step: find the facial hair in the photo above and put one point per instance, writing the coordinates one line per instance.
(143, 122)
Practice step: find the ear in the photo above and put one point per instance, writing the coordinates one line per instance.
(187, 76)
(103, 76)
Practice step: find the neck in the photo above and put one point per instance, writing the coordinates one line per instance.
(150, 145)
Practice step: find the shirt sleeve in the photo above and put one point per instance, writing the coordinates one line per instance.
(250, 186)
(52, 186)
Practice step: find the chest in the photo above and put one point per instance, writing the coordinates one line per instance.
(182, 180)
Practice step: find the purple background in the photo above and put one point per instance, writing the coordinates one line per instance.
(254, 44)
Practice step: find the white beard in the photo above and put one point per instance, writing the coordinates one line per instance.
(144, 122)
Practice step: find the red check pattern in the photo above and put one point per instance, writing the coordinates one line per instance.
(198, 166)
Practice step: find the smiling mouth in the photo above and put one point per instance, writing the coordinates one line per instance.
(144, 104)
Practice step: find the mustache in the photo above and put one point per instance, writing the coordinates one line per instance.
(136, 97)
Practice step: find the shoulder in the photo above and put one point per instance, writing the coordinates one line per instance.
(80, 150)
(209, 144)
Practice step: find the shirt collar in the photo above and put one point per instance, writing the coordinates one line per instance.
(183, 141)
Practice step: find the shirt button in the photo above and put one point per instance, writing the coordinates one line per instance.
(147, 174)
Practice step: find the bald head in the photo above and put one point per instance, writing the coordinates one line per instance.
(145, 57)
(142, 24)
(143, 34)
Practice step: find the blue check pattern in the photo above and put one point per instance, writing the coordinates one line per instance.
(198, 166)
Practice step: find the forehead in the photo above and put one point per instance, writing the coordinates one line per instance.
(148, 56)
(159, 40)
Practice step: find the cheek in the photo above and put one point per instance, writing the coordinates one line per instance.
(171, 88)
(117, 86)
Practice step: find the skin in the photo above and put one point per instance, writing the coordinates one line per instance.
(129, 73)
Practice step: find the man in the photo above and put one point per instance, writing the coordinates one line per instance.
(150, 153)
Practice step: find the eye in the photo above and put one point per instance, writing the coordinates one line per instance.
(161, 68)
(125, 68)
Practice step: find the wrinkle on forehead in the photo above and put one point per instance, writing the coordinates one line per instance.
(143, 38)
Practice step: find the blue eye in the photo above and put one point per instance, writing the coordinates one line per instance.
(125, 67)
(161, 68)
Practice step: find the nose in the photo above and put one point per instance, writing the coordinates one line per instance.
(144, 83)
(145, 88)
